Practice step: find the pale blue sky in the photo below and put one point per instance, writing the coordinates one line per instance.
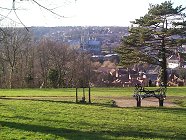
(80, 12)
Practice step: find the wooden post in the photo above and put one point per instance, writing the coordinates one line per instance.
(161, 101)
(89, 95)
(76, 95)
(83, 98)
(138, 101)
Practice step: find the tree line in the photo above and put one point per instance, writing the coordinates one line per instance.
(25, 63)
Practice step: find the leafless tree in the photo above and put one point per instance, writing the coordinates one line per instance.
(42, 62)
(12, 44)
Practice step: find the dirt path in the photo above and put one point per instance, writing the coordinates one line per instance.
(147, 102)
(119, 101)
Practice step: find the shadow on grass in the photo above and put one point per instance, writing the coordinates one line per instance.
(87, 135)
(107, 104)
(62, 132)
(172, 110)
(158, 107)
(36, 99)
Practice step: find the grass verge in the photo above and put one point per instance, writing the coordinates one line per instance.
(57, 119)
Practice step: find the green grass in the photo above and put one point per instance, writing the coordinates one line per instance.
(171, 91)
(66, 92)
(37, 92)
(38, 119)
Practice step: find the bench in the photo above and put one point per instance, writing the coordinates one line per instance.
(141, 93)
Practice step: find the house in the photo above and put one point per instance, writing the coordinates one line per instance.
(92, 46)
(173, 62)
(129, 77)
(174, 80)
(122, 77)
(112, 58)
(97, 58)
(105, 76)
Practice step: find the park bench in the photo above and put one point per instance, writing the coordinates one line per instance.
(141, 93)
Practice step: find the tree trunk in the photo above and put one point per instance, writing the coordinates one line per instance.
(163, 64)
(10, 78)
(89, 96)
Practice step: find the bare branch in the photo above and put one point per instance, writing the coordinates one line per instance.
(47, 9)
(4, 17)
(5, 8)
(13, 7)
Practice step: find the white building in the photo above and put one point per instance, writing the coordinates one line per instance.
(173, 62)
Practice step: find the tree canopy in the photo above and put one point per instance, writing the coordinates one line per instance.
(155, 36)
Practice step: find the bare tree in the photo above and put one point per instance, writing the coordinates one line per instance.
(13, 40)
(60, 60)
(42, 62)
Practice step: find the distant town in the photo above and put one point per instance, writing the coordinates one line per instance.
(101, 42)
(102, 39)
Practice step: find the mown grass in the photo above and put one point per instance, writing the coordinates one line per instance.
(38, 119)
(127, 91)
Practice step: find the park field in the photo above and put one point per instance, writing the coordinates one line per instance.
(52, 114)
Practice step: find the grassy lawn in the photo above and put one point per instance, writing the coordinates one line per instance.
(38, 119)
(171, 91)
